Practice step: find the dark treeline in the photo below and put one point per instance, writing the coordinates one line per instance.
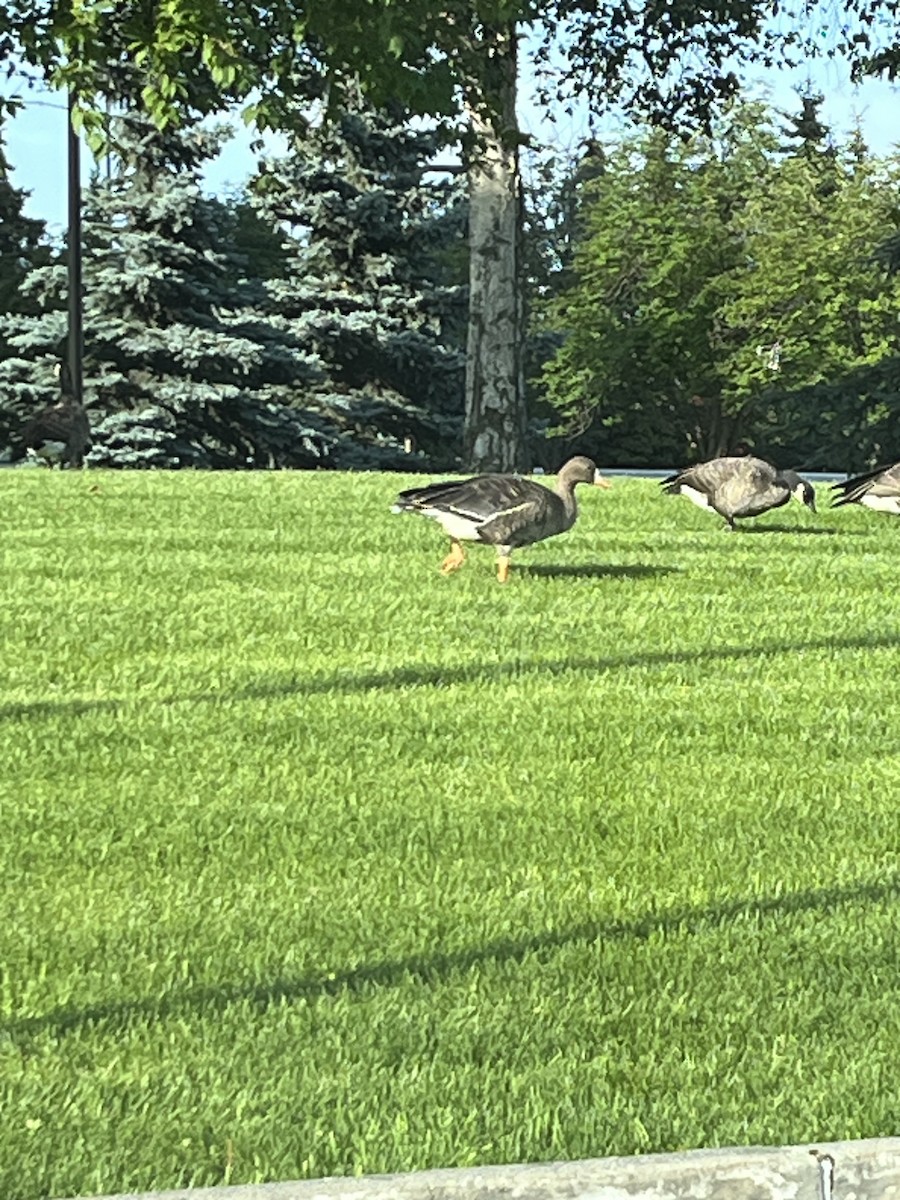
(736, 291)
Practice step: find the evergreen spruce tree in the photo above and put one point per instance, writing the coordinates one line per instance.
(23, 249)
(807, 138)
(181, 368)
(370, 289)
(556, 194)
(805, 135)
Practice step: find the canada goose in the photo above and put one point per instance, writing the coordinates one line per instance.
(739, 487)
(878, 489)
(505, 511)
(59, 433)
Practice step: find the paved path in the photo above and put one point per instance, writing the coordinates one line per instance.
(863, 1170)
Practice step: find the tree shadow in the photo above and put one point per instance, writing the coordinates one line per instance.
(596, 571)
(449, 675)
(115, 1015)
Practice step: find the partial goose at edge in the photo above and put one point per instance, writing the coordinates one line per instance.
(878, 490)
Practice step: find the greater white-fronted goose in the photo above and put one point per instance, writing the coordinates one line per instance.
(505, 511)
(739, 487)
(878, 489)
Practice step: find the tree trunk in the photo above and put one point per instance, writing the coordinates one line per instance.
(495, 433)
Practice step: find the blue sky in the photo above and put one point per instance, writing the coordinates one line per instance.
(36, 138)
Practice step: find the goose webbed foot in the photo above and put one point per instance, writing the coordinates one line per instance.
(454, 559)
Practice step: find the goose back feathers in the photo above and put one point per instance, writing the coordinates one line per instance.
(739, 487)
(878, 489)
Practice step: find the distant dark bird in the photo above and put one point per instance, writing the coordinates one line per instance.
(59, 433)
(878, 489)
(739, 487)
(505, 511)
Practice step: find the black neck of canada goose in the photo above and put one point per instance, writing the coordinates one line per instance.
(799, 488)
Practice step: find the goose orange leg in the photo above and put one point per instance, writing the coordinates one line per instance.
(503, 568)
(454, 559)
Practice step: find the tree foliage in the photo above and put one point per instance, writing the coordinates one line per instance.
(815, 295)
(179, 368)
(23, 247)
(728, 295)
(639, 364)
(672, 59)
(367, 287)
(22, 240)
(300, 327)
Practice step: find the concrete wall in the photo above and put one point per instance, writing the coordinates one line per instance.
(863, 1170)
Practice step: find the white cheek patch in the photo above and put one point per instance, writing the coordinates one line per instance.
(888, 504)
(699, 498)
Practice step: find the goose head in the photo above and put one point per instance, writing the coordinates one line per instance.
(581, 470)
(800, 489)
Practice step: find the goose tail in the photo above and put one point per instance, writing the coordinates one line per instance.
(850, 491)
(672, 485)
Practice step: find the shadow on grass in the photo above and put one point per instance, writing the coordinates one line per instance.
(434, 968)
(803, 530)
(596, 571)
(349, 683)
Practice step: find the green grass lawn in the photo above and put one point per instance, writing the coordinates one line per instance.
(315, 862)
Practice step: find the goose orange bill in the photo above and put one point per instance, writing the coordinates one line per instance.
(599, 481)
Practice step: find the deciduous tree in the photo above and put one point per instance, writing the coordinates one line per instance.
(730, 295)
(639, 373)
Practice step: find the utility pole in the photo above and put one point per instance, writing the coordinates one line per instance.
(75, 355)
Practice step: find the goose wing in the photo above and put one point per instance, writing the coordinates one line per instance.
(502, 509)
(478, 498)
(692, 477)
(530, 514)
(882, 483)
(733, 485)
(754, 487)
(709, 477)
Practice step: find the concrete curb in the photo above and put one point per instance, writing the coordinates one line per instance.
(862, 1170)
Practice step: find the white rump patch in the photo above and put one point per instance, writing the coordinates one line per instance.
(699, 498)
(888, 504)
